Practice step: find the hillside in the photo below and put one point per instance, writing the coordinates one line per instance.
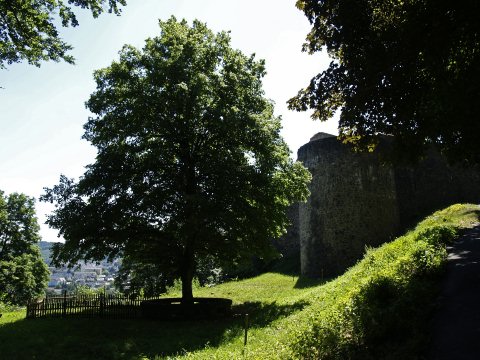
(378, 309)
(45, 249)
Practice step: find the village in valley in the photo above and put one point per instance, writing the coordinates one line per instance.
(85, 274)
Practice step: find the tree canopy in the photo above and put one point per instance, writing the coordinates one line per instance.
(190, 161)
(408, 68)
(28, 31)
(23, 273)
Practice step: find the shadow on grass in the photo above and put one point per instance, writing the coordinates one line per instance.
(290, 266)
(262, 314)
(304, 282)
(80, 338)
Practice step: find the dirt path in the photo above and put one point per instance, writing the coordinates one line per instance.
(456, 326)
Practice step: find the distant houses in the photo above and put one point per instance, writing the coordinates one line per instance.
(93, 275)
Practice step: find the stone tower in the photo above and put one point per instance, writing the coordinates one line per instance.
(358, 201)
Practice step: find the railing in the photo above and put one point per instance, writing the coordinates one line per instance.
(98, 305)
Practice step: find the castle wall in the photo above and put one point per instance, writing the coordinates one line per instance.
(352, 204)
(431, 185)
(356, 201)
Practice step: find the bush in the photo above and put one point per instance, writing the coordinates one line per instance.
(5, 307)
(437, 235)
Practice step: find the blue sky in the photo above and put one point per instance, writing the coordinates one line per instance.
(42, 109)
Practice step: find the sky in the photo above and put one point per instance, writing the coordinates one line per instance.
(42, 110)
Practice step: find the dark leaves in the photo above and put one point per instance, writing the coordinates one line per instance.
(407, 70)
(190, 160)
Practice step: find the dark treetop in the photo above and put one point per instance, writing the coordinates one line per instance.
(405, 68)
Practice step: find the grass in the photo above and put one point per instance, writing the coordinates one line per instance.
(12, 316)
(378, 309)
(71, 338)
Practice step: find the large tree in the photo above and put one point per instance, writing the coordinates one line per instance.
(23, 273)
(407, 68)
(190, 162)
(28, 30)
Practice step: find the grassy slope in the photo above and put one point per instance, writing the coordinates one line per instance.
(389, 292)
(377, 309)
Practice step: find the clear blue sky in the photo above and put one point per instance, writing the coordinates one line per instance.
(42, 109)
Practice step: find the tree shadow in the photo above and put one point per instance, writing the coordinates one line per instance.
(290, 266)
(95, 338)
(304, 282)
(287, 265)
(261, 314)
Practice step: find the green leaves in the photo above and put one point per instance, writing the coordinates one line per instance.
(27, 30)
(23, 273)
(190, 162)
(18, 224)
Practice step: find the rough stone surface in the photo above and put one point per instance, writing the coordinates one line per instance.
(431, 185)
(358, 201)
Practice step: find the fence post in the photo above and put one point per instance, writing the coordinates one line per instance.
(102, 304)
(246, 331)
(29, 309)
(64, 312)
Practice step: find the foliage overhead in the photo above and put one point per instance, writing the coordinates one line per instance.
(23, 273)
(407, 68)
(28, 31)
(190, 161)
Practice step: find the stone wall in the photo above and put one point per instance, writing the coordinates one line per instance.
(357, 201)
(431, 185)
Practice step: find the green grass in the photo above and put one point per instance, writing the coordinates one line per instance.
(12, 316)
(376, 310)
(71, 338)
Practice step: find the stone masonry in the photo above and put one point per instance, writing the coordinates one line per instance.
(358, 201)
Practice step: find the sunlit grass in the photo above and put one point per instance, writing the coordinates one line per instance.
(378, 309)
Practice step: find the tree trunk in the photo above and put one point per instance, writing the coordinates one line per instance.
(191, 229)
(188, 269)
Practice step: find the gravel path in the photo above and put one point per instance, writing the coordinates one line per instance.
(456, 326)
